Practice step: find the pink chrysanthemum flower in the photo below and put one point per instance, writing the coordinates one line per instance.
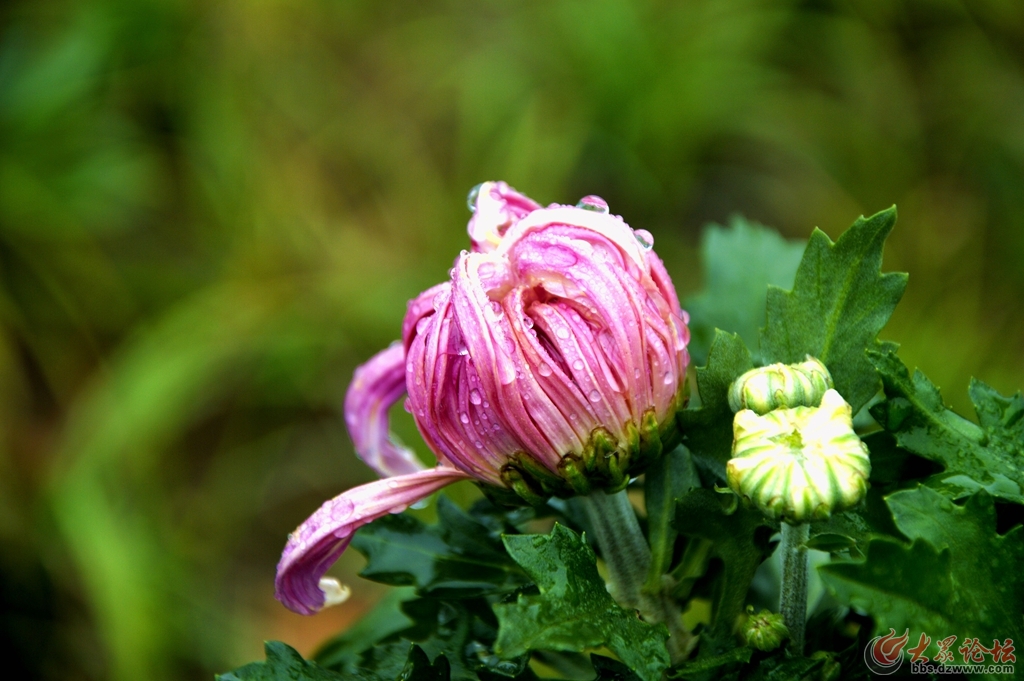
(552, 362)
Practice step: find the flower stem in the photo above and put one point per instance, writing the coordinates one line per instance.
(793, 603)
(628, 558)
(623, 547)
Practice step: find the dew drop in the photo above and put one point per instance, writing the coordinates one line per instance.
(422, 324)
(573, 417)
(478, 444)
(594, 203)
(392, 484)
(471, 198)
(594, 396)
(669, 377)
(578, 365)
(496, 427)
(636, 373)
(464, 417)
(562, 332)
(487, 405)
(496, 307)
(644, 238)
(463, 350)
(528, 322)
(474, 397)
(544, 369)
(407, 405)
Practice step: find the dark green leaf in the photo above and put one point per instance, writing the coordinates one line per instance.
(707, 429)
(573, 610)
(958, 576)
(839, 302)
(611, 670)
(665, 481)
(701, 667)
(740, 539)
(740, 262)
(989, 457)
(458, 555)
(344, 651)
(420, 668)
(283, 664)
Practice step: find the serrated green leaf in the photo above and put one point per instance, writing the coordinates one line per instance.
(457, 556)
(989, 457)
(957, 577)
(739, 538)
(707, 429)
(839, 302)
(573, 610)
(740, 262)
(665, 481)
(283, 664)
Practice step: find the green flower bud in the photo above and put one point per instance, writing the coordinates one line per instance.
(799, 464)
(778, 386)
(765, 631)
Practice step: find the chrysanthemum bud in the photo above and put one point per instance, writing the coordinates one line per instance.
(799, 464)
(779, 386)
(552, 363)
(765, 631)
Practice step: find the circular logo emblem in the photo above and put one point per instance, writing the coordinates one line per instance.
(884, 654)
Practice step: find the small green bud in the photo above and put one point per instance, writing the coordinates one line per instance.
(765, 631)
(799, 464)
(778, 386)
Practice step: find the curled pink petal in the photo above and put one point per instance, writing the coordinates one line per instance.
(325, 535)
(496, 206)
(376, 386)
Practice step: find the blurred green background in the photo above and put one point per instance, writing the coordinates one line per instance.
(210, 213)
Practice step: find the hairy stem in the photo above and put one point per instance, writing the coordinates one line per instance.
(793, 602)
(628, 558)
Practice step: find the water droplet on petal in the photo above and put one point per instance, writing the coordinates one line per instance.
(636, 373)
(472, 197)
(496, 307)
(422, 324)
(562, 332)
(464, 417)
(478, 444)
(392, 484)
(573, 417)
(594, 203)
(544, 370)
(474, 397)
(528, 322)
(463, 350)
(644, 238)
(594, 396)
(669, 377)
(578, 365)
(408, 405)
(496, 427)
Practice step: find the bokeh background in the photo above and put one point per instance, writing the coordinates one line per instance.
(211, 212)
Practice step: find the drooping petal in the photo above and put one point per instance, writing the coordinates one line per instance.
(325, 535)
(375, 387)
(496, 207)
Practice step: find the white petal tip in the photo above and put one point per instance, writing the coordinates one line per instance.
(335, 593)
